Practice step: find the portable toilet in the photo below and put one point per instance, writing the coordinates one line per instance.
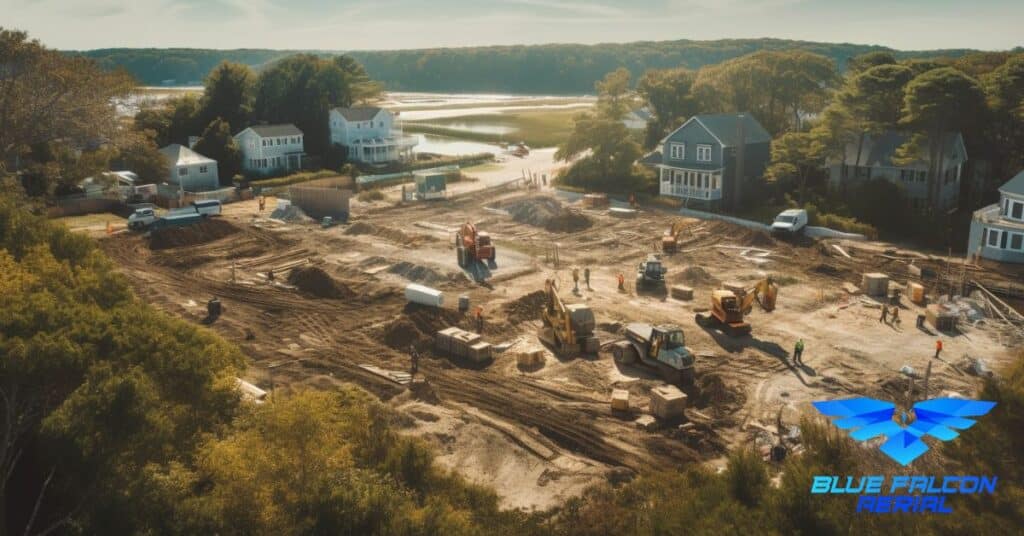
(430, 185)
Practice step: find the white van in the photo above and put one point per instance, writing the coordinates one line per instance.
(791, 221)
(141, 218)
(207, 208)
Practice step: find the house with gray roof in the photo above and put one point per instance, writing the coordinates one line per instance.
(370, 135)
(189, 170)
(997, 231)
(713, 159)
(873, 159)
(271, 149)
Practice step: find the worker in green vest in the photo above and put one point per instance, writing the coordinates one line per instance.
(798, 353)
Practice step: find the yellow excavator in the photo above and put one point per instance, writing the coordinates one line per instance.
(729, 307)
(670, 240)
(568, 329)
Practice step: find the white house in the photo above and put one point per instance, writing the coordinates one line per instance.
(370, 135)
(271, 149)
(191, 171)
(997, 231)
(637, 119)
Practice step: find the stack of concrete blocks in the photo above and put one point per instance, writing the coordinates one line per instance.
(620, 400)
(667, 402)
(940, 317)
(682, 292)
(875, 284)
(462, 343)
(531, 359)
(595, 200)
(915, 292)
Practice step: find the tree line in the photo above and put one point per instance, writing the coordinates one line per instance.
(530, 69)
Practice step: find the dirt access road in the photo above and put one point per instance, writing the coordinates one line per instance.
(542, 435)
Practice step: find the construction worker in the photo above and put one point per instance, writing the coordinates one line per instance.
(798, 353)
(885, 314)
(544, 179)
(632, 201)
(479, 319)
(896, 314)
(575, 279)
(270, 275)
(414, 357)
(622, 283)
(586, 277)
(938, 348)
(263, 202)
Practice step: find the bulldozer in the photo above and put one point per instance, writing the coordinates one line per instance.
(729, 307)
(650, 274)
(661, 347)
(472, 245)
(670, 240)
(568, 329)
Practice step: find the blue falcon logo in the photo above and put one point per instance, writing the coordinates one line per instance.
(868, 418)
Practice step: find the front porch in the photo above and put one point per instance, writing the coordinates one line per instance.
(382, 150)
(703, 185)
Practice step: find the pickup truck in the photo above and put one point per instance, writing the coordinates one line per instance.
(142, 218)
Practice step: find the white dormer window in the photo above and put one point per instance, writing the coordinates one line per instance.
(676, 151)
(703, 153)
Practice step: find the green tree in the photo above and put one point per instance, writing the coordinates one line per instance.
(795, 156)
(1004, 88)
(228, 95)
(936, 103)
(47, 96)
(863, 62)
(218, 143)
(671, 101)
(614, 94)
(138, 152)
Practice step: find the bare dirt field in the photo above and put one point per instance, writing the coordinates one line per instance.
(542, 435)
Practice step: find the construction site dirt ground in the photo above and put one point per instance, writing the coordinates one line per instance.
(542, 435)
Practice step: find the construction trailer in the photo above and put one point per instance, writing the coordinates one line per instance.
(323, 198)
(430, 184)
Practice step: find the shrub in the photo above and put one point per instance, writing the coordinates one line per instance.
(369, 196)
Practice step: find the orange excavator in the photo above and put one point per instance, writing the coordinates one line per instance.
(473, 245)
(670, 240)
(728, 307)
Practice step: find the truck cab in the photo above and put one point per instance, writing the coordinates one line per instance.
(141, 218)
(791, 221)
(650, 273)
(661, 347)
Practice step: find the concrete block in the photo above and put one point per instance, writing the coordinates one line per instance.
(620, 400)
(682, 292)
(875, 284)
(667, 402)
(915, 292)
(480, 352)
(646, 422)
(530, 359)
(941, 318)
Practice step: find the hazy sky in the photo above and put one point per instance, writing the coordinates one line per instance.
(391, 24)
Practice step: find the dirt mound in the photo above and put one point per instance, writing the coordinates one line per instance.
(314, 281)
(696, 276)
(714, 394)
(395, 235)
(291, 213)
(421, 274)
(524, 308)
(418, 325)
(549, 213)
(743, 236)
(205, 231)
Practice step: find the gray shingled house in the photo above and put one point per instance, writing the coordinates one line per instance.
(701, 161)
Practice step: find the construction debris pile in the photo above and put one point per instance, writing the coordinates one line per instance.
(289, 213)
(203, 232)
(549, 213)
(314, 281)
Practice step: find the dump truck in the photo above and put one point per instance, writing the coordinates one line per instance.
(472, 245)
(662, 348)
(650, 274)
(670, 240)
(729, 307)
(568, 329)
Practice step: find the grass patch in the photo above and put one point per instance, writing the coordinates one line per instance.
(370, 196)
(541, 101)
(538, 128)
(90, 220)
(295, 178)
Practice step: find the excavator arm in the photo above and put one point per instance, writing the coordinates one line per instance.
(557, 315)
(765, 292)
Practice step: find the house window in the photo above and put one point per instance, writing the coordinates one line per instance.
(703, 153)
(676, 151)
(921, 176)
(182, 171)
(993, 238)
(1017, 212)
(1016, 241)
(202, 169)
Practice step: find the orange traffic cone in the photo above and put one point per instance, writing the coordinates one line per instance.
(110, 228)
